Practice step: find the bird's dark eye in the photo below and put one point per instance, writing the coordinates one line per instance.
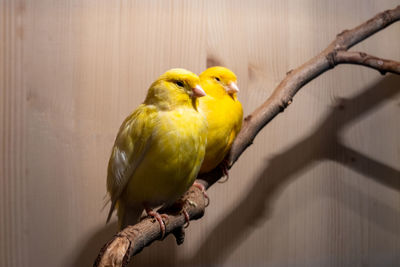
(217, 78)
(179, 83)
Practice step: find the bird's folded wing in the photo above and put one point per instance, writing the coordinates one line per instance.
(130, 147)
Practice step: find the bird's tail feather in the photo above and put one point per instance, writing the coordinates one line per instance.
(110, 212)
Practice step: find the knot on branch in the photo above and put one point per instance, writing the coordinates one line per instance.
(363, 55)
(248, 118)
(284, 104)
(341, 40)
(331, 58)
(340, 35)
(179, 235)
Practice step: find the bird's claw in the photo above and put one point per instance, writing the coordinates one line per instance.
(159, 218)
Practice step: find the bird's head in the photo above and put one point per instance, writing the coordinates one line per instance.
(223, 78)
(175, 87)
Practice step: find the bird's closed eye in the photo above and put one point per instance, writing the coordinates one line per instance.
(179, 83)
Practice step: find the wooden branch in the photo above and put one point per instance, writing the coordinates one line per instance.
(360, 58)
(133, 239)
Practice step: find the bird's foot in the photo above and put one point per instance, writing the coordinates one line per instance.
(179, 205)
(225, 170)
(159, 217)
(203, 190)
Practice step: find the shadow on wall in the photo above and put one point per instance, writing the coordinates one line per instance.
(322, 144)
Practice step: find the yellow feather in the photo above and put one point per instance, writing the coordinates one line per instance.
(159, 148)
(224, 114)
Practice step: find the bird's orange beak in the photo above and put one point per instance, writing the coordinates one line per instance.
(198, 91)
(232, 88)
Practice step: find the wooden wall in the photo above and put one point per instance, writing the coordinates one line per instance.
(319, 187)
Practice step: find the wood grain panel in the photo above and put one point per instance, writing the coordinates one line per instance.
(319, 187)
(13, 166)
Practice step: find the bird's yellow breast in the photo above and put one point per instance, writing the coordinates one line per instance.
(173, 159)
(224, 117)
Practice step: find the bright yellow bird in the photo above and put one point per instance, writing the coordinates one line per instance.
(159, 148)
(224, 114)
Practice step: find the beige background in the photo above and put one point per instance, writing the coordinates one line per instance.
(319, 187)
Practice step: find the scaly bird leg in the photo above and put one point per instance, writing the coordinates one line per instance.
(159, 217)
(203, 190)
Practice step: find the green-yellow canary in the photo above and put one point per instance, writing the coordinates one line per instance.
(224, 114)
(159, 148)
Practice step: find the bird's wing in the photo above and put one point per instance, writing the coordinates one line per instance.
(130, 147)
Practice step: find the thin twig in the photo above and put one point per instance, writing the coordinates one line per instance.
(133, 239)
(361, 58)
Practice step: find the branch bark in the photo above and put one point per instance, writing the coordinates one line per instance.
(133, 239)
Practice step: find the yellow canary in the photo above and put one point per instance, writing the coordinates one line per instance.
(159, 148)
(224, 114)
